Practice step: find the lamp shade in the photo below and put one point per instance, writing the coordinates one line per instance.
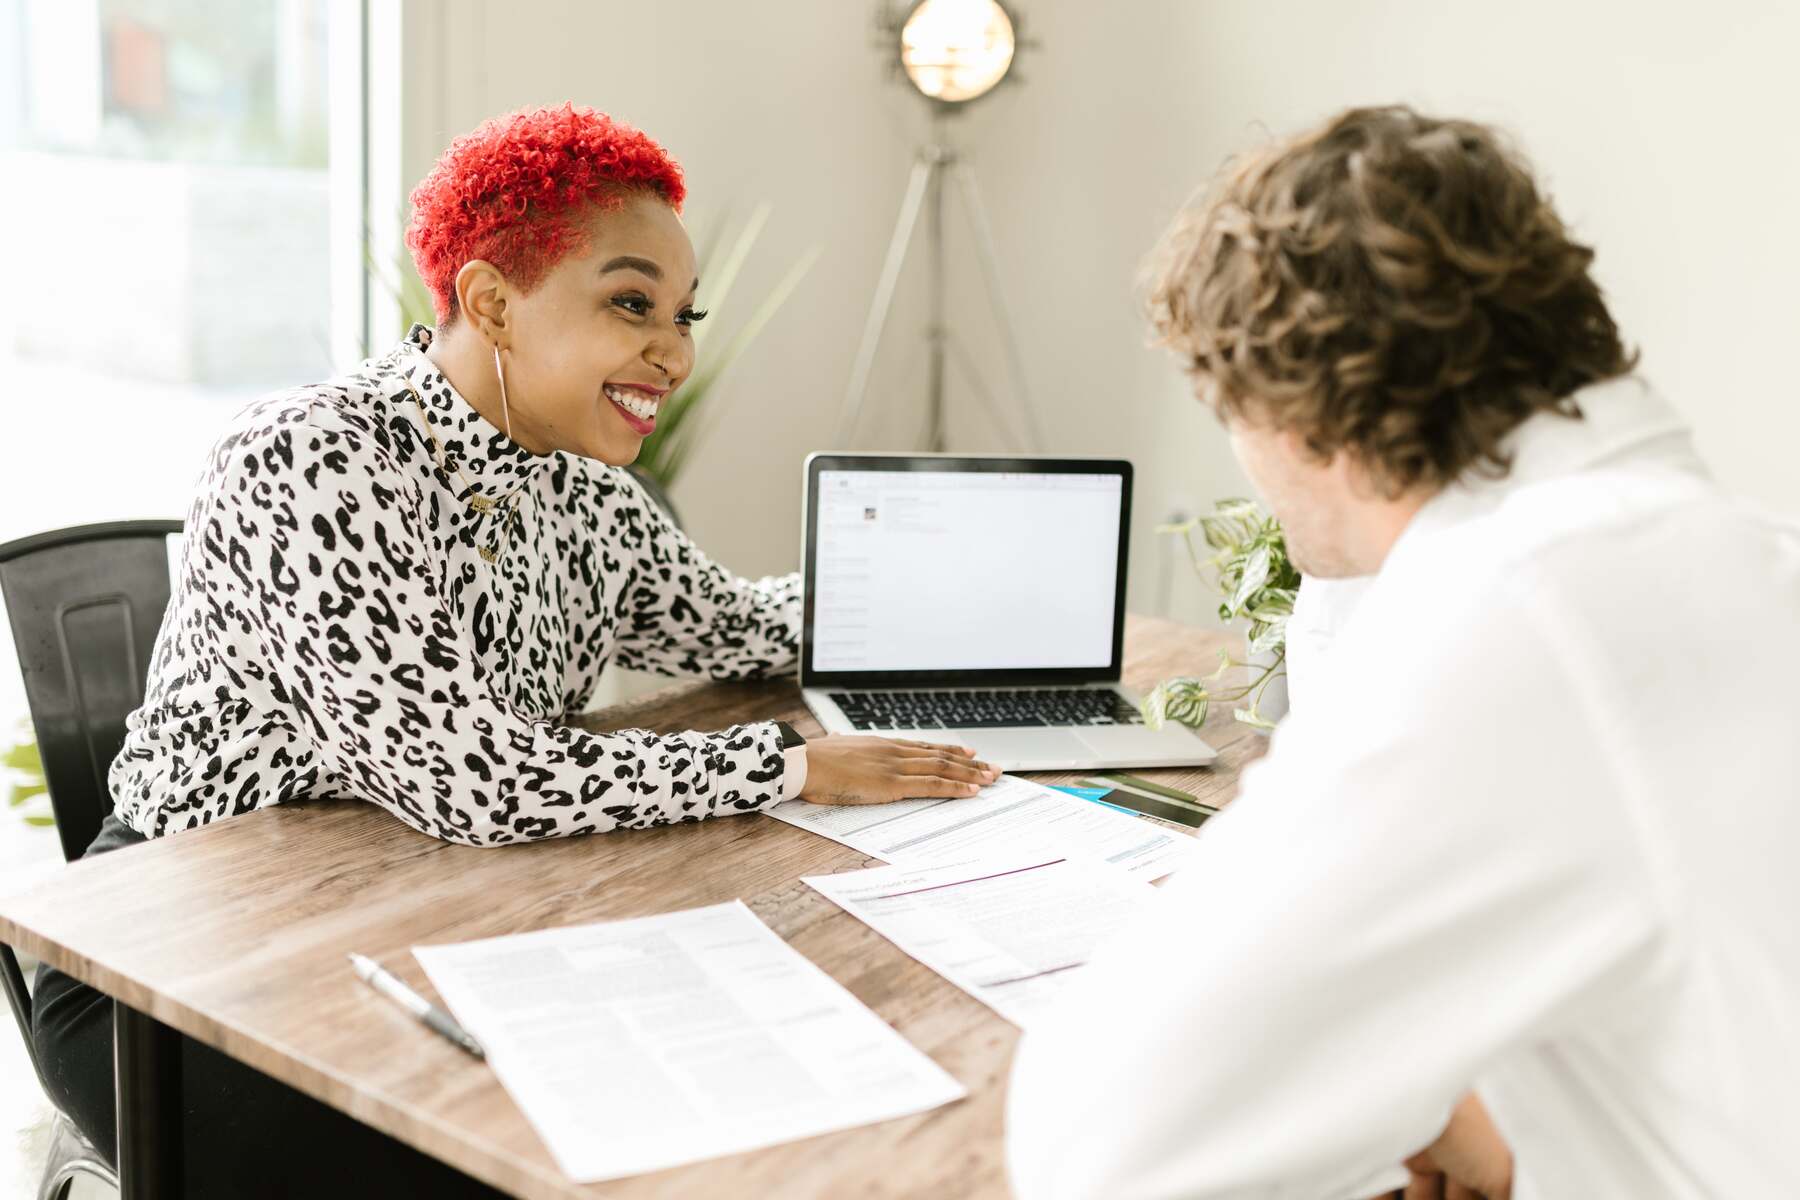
(956, 50)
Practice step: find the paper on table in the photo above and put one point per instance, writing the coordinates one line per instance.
(1008, 818)
(637, 1045)
(1011, 932)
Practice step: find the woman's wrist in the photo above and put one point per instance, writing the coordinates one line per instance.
(793, 753)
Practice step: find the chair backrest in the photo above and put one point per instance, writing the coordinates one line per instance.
(85, 605)
(657, 492)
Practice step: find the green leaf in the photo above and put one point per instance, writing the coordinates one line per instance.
(707, 253)
(1270, 637)
(41, 821)
(19, 793)
(682, 440)
(24, 757)
(1250, 716)
(1250, 566)
(719, 283)
(679, 427)
(400, 280)
(1256, 573)
(1155, 706)
(1282, 595)
(1183, 699)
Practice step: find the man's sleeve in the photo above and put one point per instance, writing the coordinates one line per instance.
(1421, 876)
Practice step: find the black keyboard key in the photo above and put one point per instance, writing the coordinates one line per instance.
(1012, 707)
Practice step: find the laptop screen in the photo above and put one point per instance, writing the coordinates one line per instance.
(964, 570)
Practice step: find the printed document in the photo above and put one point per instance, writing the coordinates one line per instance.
(1011, 933)
(637, 1045)
(1007, 818)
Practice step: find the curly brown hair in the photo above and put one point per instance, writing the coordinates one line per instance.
(1391, 284)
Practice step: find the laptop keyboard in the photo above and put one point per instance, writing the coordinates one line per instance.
(985, 709)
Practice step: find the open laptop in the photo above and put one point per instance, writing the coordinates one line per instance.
(976, 602)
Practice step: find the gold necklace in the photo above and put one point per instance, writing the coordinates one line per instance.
(475, 499)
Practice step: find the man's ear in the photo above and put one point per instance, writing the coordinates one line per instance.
(481, 296)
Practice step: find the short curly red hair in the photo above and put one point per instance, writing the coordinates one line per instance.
(512, 191)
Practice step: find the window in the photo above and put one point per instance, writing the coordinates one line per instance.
(170, 186)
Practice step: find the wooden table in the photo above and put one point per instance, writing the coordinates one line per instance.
(236, 934)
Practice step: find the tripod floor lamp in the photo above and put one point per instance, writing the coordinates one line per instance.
(953, 52)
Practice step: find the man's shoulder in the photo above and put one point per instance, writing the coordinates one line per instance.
(1570, 530)
(1602, 577)
(1626, 547)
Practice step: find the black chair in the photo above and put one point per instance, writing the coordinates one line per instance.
(85, 605)
(657, 492)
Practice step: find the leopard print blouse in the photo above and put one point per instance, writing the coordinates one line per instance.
(336, 630)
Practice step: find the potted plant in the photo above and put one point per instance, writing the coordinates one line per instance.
(679, 423)
(26, 793)
(1257, 584)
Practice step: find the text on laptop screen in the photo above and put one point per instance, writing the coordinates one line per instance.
(964, 570)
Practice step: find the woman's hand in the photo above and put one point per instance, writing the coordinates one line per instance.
(850, 769)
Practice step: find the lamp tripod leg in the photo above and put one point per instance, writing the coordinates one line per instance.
(936, 359)
(904, 226)
(990, 270)
(972, 373)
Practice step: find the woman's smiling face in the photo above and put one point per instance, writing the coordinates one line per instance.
(595, 348)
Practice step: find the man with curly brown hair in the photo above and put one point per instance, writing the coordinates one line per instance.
(1510, 899)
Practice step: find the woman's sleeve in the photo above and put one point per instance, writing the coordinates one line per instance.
(322, 566)
(681, 613)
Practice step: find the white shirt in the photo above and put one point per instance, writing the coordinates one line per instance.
(1531, 831)
(1321, 611)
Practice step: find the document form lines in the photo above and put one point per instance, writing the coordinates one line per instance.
(899, 816)
(646, 1043)
(975, 879)
(1010, 931)
(942, 830)
(1012, 819)
(1035, 974)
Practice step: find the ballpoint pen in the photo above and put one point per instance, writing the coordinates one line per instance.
(428, 1014)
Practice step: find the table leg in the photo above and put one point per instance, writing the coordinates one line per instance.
(147, 1075)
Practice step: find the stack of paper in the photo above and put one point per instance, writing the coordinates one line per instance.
(1011, 933)
(637, 1045)
(1006, 819)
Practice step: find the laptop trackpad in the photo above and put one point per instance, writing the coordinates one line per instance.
(1135, 741)
(1005, 747)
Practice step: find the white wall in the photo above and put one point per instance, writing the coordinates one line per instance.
(1664, 132)
(174, 260)
(789, 110)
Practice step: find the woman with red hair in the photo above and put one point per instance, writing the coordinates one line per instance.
(395, 584)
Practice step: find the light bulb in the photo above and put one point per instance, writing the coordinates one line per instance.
(956, 50)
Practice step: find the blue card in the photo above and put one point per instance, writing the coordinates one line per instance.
(1084, 793)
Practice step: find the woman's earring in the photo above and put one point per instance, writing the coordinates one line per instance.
(505, 413)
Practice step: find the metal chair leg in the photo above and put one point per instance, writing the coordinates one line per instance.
(71, 1155)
